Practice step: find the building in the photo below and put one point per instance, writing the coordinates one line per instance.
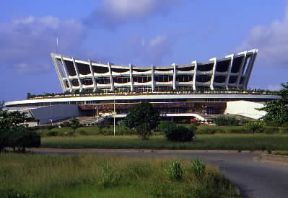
(94, 90)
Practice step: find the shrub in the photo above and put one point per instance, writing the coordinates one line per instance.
(175, 170)
(198, 168)
(226, 121)
(256, 126)
(179, 134)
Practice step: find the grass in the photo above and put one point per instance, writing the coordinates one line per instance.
(29, 176)
(203, 142)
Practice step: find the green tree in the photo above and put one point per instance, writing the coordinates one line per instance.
(255, 126)
(277, 111)
(14, 134)
(143, 118)
(74, 124)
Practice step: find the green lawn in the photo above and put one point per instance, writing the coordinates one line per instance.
(216, 141)
(93, 176)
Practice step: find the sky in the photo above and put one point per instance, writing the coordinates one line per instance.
(140, 32)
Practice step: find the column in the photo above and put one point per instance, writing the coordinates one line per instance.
(174, 76)
(77, 74)
(111, 77)
(213, 73)
(229, 70)
(66, 74)
(93, 76)
(131, 77)
(194, 75)
(152, 79)
(249, 68)
(241, 69)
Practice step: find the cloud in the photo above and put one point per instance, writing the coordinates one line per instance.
(26, 43)
(271, 40)
(112, 13)
(151, 51)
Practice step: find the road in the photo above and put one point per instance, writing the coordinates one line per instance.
(255, 178)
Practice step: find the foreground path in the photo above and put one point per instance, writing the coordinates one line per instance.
(255, 178)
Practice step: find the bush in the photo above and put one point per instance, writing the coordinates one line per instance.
(175, 171)
(22, 138)
(179, 134)
(256, 126)
(226, 121)
(198, 168)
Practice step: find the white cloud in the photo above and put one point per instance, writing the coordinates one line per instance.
(26, 43)
(272, 41)
(112, 13)
(151, 51)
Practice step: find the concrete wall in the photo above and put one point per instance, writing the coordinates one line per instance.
(245, 108)
(55, 113)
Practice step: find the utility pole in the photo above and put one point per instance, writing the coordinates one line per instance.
(114, 115)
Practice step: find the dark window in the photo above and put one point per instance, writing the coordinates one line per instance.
(222, 66)
(83, 68)
(163, 78)
(75, 82)
(121, 79)
(189, 68)
(70, 68)
(203, 78)
(100, 70)
(184, 78)
(141, 79)
(205, 67)
(220, 79)
(103, 80)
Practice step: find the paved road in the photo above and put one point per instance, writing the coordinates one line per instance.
(256, 179)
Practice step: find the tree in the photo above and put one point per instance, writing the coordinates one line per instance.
(14, 134)
(255, 126)
(143, 118)
(277, 111)
(74, 124)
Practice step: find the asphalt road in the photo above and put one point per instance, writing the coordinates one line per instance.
(255, 178)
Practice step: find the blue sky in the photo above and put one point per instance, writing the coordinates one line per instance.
(142, 32)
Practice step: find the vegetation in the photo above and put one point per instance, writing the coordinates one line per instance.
(179, 134)
(15, 135)
(255, 126)
(143, 118)
(75, 124)
(204, 142)
(81, 176)
(175, 171)
(198, 168)
(277, 111)
(226, 121)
